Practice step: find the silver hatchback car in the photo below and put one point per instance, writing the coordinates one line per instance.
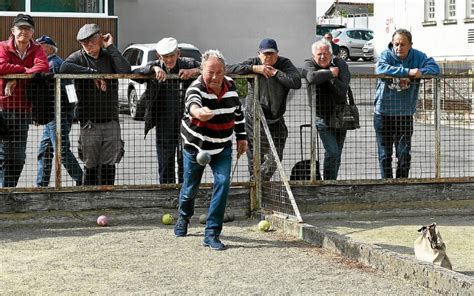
(352, 42)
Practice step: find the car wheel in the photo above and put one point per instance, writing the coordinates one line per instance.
(344, 53)
(136, 110)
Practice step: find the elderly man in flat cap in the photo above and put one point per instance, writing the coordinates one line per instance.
(97, 109)
(165, 105)
(20, 54)
(43, 113)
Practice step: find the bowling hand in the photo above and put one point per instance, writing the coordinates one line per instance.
(201, 113)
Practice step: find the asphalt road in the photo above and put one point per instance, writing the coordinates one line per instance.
(361, 67)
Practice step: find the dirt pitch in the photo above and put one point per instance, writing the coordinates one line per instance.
(145, 258)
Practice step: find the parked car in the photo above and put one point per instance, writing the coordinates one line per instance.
(322, 29)
(369, 49)
(352, 41)
(138, 55)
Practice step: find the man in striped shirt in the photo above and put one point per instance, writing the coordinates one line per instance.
(213, 113)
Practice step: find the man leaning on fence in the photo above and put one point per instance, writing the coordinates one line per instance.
(276, 76)
(328, 79)
(46, 116)
(164, 98)
(213, 114)
(20, 54)
(97, 109)
(396, 99)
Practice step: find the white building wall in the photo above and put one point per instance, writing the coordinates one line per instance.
(440, 41)
(234, 27)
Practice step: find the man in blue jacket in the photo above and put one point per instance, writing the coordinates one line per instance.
(395, 100)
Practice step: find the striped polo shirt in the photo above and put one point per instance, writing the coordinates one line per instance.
(215, 134)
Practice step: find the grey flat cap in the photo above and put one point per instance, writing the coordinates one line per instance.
(87, 31)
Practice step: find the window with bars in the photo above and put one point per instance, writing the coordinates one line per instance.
(429, 10)
(450, 9)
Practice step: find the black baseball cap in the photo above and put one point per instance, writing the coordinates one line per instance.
(24, 20)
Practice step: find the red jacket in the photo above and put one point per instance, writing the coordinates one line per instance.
(10, 63)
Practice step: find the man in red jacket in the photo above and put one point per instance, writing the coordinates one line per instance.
(20, 54)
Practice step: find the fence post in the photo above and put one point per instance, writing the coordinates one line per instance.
(314, 152)
(437, 143)
(57, 118)
(256, 196)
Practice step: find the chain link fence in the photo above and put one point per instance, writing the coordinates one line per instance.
(442, 138)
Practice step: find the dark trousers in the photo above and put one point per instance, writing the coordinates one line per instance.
(393, 131)
(279, 133)
(168, 145)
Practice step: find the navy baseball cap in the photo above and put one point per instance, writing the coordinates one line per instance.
(268, 45)
(46, 40)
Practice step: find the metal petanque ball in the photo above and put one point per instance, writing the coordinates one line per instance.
(203, 158)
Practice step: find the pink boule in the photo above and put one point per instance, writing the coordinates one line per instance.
(102, 220)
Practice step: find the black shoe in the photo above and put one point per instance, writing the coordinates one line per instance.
(181, 227)
(213, 242)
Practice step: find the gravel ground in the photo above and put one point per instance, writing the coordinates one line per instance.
(146, 258)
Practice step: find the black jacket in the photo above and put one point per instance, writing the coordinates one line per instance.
(273, 92)
(329, 91)
(94, 104)
(164, 98)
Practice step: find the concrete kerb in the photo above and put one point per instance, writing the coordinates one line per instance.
(438, 279)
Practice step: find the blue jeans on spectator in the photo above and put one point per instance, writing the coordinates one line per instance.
(46, 150)
(394, 131)
(333, 142)
(221, 166)
(13, 147)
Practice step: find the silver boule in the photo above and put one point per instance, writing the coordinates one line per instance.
(203, 158)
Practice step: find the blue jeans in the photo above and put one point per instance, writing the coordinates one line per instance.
(394, 131)
(221, 166)
(333, 142)
(13, 147)
(46, 150)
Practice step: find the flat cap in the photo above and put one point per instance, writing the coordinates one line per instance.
(166, 46)
(87, 31)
